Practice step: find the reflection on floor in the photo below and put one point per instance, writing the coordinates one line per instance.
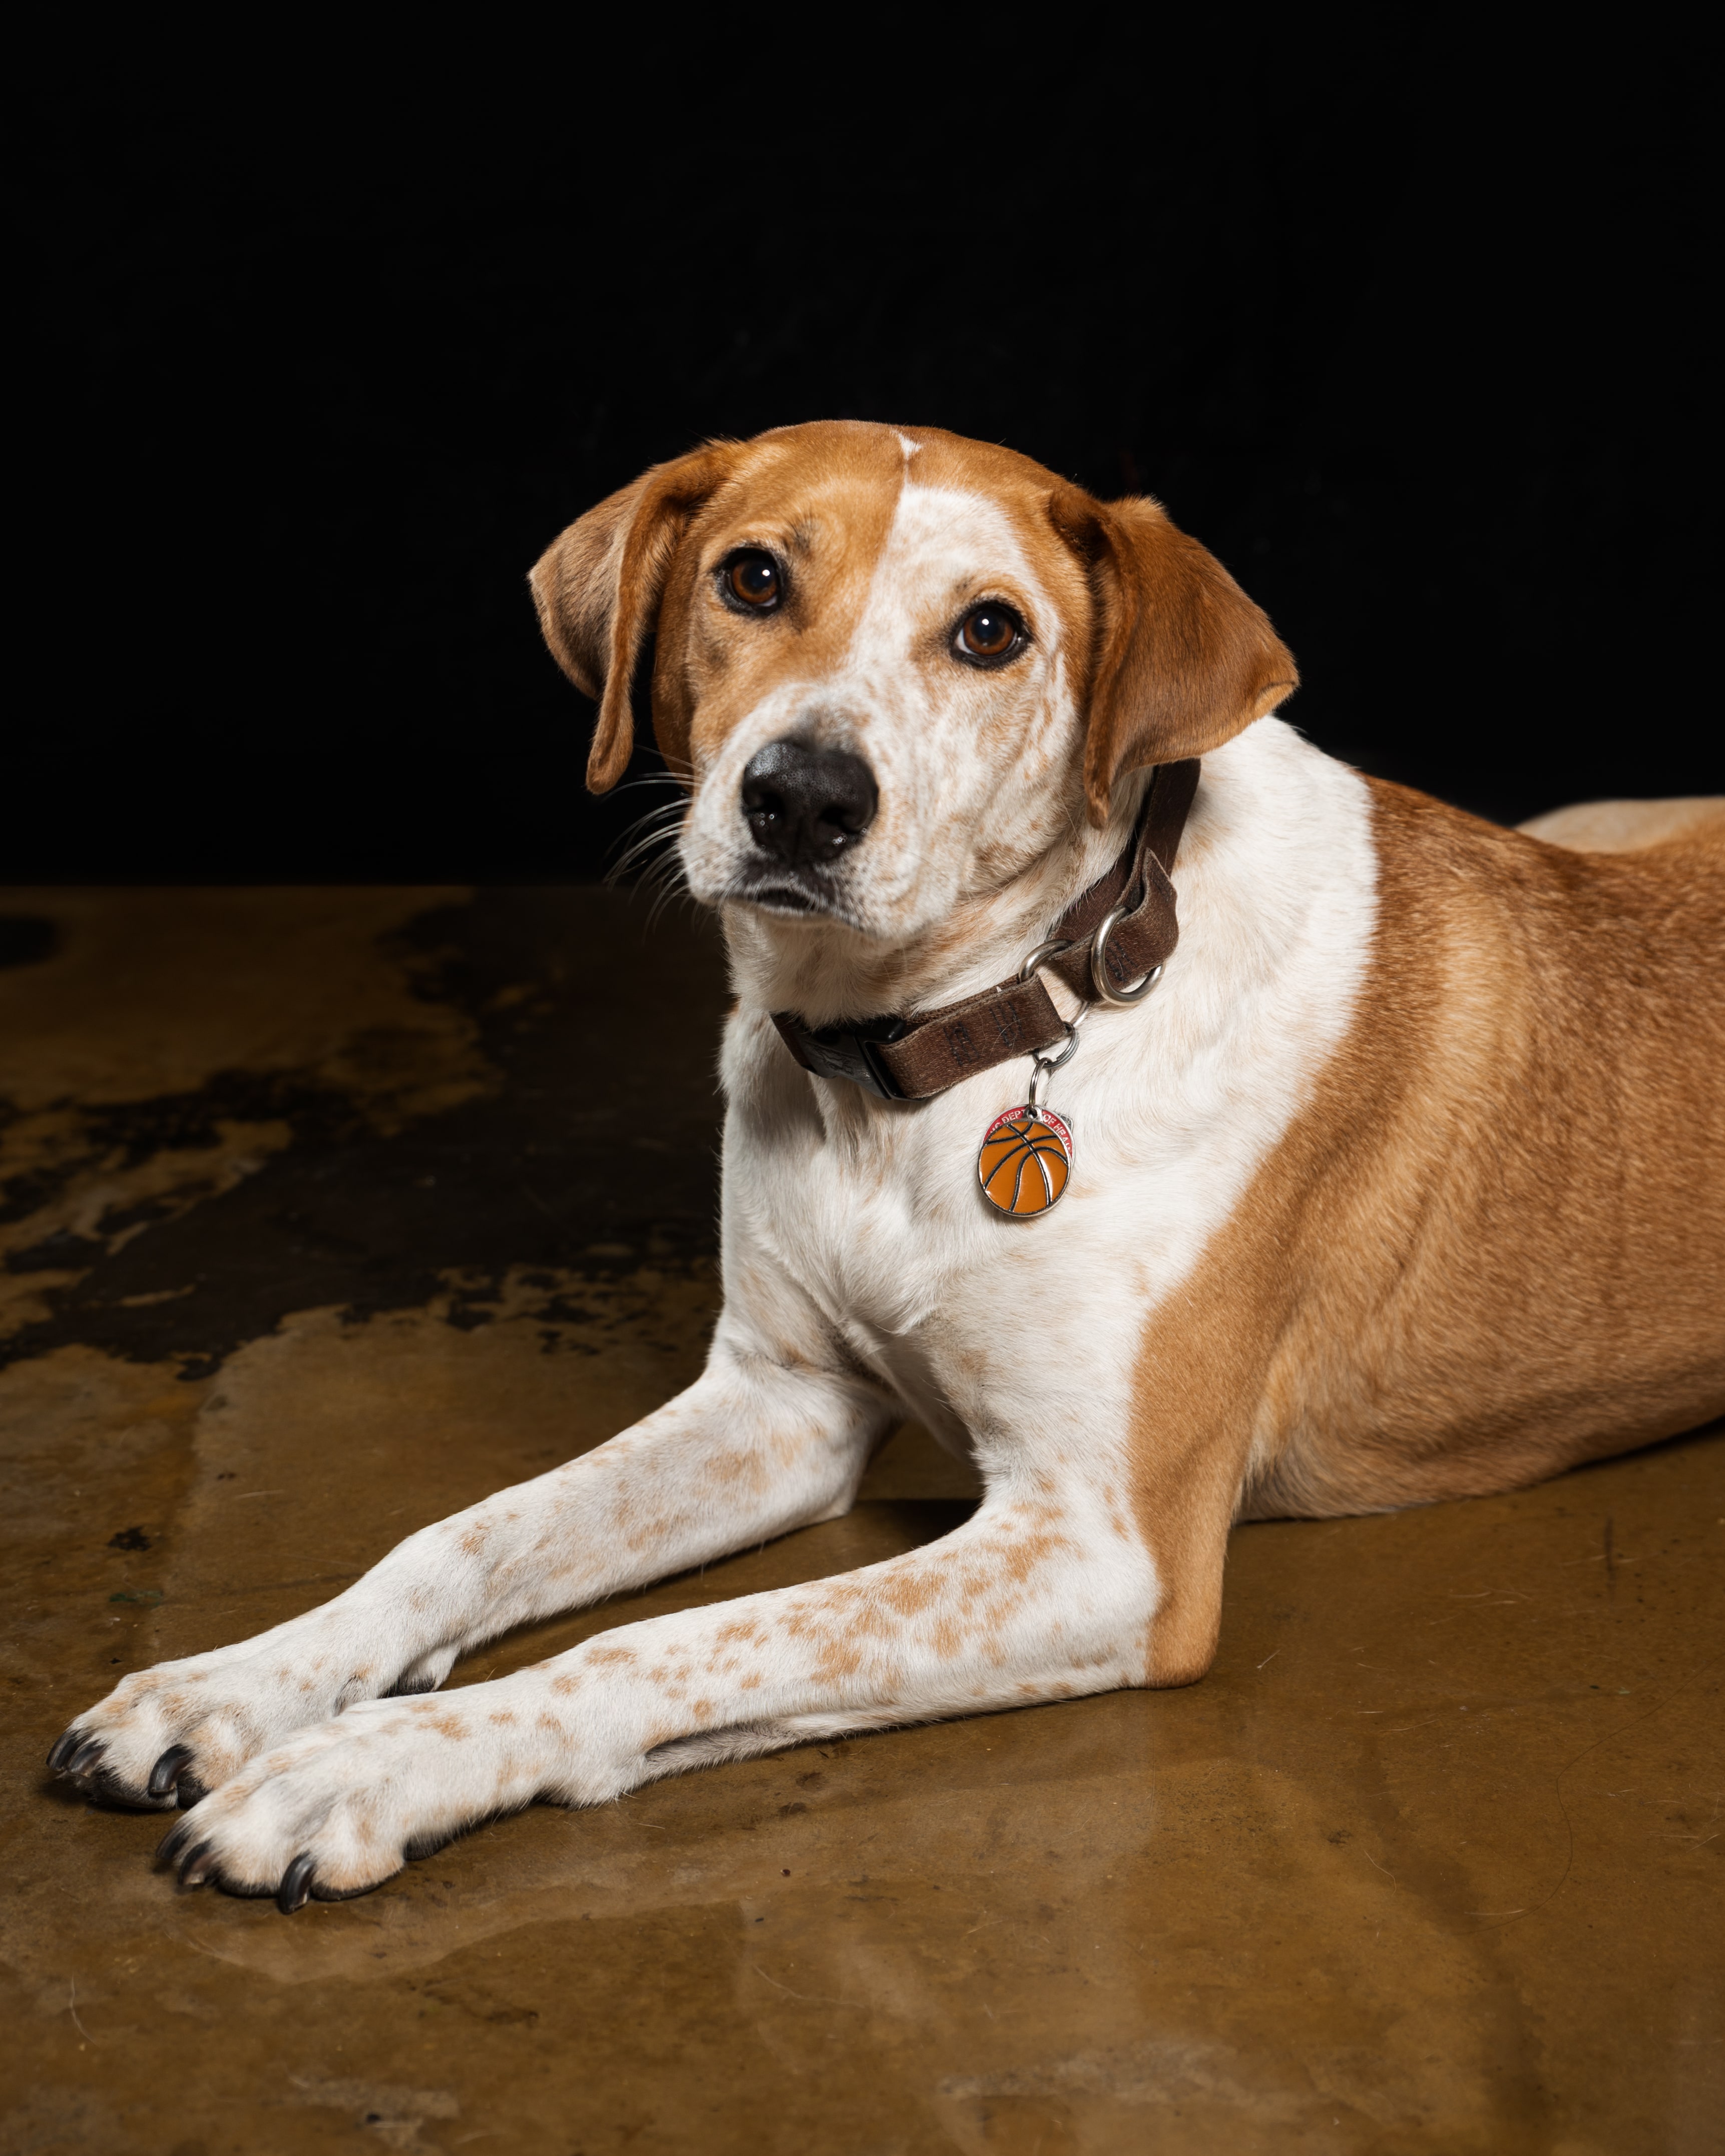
(325, 1212)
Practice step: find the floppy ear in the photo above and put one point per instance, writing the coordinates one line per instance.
(1184, 660)
(598, 589)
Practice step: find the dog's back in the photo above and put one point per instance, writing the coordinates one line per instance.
(1625, 826)
(1514, 1257)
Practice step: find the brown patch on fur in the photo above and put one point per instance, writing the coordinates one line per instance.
(1492, 1243)
(906, 1593)
(1180, 659)
(954, 1606)
(837, 1660)
(836, 482)
(1021, 1554)
(598, 590)
(1184, 660)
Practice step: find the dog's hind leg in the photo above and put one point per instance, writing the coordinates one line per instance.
(756, 1447)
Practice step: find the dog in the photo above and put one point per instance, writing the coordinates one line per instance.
(1374, 1155)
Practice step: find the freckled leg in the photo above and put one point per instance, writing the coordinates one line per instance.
(750, 1450)
(1030, 1600)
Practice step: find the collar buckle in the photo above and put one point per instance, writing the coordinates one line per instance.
(845, 1052)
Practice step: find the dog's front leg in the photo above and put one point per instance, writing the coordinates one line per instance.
(1040, 1596)
(750, 1450)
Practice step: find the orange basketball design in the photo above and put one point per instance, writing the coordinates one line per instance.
(1025, 1161)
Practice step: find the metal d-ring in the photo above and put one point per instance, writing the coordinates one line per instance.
(1099, 969)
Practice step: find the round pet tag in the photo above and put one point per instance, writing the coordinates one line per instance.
(1026, 1161)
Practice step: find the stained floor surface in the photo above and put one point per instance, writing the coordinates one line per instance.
(326, 1212)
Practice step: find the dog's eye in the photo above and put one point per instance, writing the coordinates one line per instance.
(989, 634)
(753, 578)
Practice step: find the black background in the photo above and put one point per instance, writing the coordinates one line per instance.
(319, 353)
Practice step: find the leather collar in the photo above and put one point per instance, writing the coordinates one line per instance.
(914, 1056)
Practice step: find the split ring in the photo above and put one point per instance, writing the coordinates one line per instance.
(1055, 945)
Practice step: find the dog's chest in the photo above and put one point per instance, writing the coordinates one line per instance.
(876, 1216)
(883, 1237)
(868, 1210)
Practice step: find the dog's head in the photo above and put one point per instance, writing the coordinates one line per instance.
(895, 666)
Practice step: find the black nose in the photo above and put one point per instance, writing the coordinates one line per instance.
(806, 805)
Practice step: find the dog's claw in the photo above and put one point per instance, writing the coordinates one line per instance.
(166, 1773)
(85, 1756)
(65, 1745)
(295, 1886)
(196, 1867)
(188, 1790)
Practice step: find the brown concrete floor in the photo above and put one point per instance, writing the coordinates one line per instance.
(326, 1212)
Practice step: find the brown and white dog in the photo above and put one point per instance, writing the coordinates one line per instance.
(1407, 1181)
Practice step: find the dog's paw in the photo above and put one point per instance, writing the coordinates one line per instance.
(336, 1810)
(163, 1736)
(167, 1736)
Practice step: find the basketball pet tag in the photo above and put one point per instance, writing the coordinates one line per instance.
(1026, 1161)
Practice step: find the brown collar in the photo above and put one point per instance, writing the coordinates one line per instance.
(913, 1057)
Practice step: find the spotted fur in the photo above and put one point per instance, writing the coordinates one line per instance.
(1404, 1183)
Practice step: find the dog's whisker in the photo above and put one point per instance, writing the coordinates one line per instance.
(649, 846)
(646, 867)
(665, 877)
(651, 839)
(650, 828)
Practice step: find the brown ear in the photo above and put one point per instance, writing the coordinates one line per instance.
(1184, 660)
(598, 589)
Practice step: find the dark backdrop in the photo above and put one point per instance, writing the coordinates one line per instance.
(320, 357)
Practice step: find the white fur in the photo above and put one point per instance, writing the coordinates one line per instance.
(970, 764)
(865, 1280)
